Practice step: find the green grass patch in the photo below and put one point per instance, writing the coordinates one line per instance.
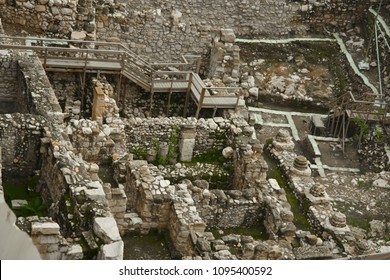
(212, 156)
(139, 152)
(360, 223)
(24, 189)
(274, 172)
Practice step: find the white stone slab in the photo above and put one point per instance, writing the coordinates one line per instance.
(18, 203)
(113, 251)
(107, 229)
(45, 228)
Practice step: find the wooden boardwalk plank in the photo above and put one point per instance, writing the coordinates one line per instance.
(133, 68)
(66, 63)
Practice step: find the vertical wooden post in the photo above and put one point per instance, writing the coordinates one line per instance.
(85, 70)
(198, 62)
(201, 98)
(169, 102)
(151, 101)
(152, 76)
(187, 95)
(45, 60)
(118, 86)
(346, 131)
(169, 97)
(215, 111)
(124, 95)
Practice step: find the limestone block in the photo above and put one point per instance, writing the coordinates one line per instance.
(117, 209)
(40, 8)
(274, 184)
(66, 11)
(106, 229)
(254, 91)
(51, 256)
(18, 203)
(136, 221)
(186, 149)
(87, 130)
(228, 152)
(380, 183)
(28, 5)
(227, 35)
(113, 251)
(75, 252)
(96, 194)
(164, 183)
(48, 239)
(176, 16)
(78, 35)
(45, 228)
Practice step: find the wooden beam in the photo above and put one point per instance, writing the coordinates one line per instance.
(214, 111)
(201, 98)
(124, 95)
(187, 95)
(169, 103)
(119, 87)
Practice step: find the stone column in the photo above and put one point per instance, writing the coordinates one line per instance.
(187, 142)
(225, 57)
(283, 141)
(98, 106)
(300, 167)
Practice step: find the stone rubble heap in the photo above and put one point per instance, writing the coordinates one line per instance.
(161, 205)
(67, 181)
(283, 82)
(319, 210)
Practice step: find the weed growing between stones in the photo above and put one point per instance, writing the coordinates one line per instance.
(139, 152)
(298, 209)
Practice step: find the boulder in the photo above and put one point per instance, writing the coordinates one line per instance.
(228, 152)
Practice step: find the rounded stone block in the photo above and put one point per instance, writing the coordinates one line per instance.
(338, 219)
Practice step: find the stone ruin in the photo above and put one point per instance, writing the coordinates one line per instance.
(108, 168)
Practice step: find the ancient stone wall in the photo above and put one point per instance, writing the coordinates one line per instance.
(12, 85)
(68, 183)
(38, 94)
(20, 139)
(228, 209)
(47, 237)
(8, 85)
(146, 134)
(55, 18)
(169, 28)
(313, 197)
(14, 243)
(162, 205)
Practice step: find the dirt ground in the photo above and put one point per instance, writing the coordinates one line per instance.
(356, 197)
(351, 193)
(332, 154)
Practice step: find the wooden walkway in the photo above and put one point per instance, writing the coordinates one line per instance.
(102, 57)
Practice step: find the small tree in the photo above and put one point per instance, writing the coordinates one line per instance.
(363, 130)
